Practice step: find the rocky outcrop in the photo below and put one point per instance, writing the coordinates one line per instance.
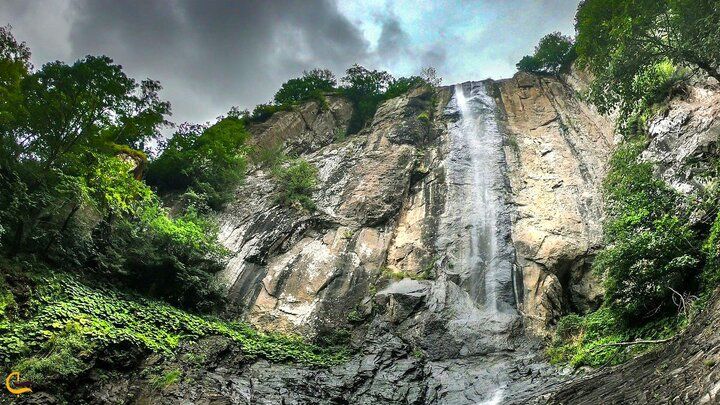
(557, 152)
(302, 272)
(683, 140)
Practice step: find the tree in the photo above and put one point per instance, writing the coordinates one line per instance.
(553, 54)
(619, 40)
(210, 160)
(311, 85)
(365, 89)
(429, 74)
(14, 67)
(70, 108)
(401, 86)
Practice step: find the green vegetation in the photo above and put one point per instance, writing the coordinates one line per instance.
(311, 86)
(393, 274)
(70, 170)
(68, 323)
(65, 355)
(661, 246)
(365, 88)
(210, 162)
(297, 181)
(553, 55)
(166, 379)
(620, 41)
(651, 249)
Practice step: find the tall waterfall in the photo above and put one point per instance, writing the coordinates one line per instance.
(476, 219)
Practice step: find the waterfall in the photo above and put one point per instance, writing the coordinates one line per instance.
(476, 220)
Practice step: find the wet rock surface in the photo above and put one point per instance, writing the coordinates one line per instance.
(557, 150)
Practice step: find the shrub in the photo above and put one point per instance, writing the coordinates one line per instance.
(137, 241)
(651, 249)
(297, 181)
(365, 89)
(588, 340)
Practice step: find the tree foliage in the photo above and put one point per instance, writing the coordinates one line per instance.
(622, 40)
(297, 181)
(70, 170)
(209, 161)
(311, 85)
(553, 55)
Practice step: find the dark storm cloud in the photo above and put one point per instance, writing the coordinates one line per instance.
(393, 42)
(210, 55)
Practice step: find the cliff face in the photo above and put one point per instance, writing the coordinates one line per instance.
(390, 259)
(443, 298)
(557, 154)
(382, 195)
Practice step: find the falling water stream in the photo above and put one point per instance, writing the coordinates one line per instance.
(479, 246)
(474, 235)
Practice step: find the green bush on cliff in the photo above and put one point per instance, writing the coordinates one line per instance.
(310, 86)
(296, 182)
(651, 249)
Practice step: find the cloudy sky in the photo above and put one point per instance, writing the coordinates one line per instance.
(210, 55)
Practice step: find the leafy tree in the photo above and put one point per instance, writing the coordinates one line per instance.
(72, 195)
(14, 67)
(70, 108)
(553, 54)
(365, 89)
(310, 86)
(210, 160)
(402, 85)
(63, 113)
(429, 75)
(619, 40)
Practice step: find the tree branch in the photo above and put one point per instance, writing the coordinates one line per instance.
(637, 342)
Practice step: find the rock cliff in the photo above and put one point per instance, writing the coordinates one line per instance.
(386, 261)
(557, 152)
